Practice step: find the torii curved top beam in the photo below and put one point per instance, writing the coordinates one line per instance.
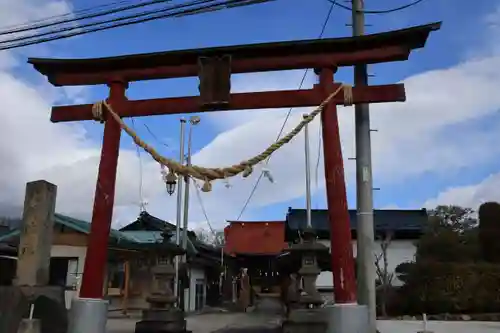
(316, 53)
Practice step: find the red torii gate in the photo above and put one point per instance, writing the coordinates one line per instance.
(214, 66)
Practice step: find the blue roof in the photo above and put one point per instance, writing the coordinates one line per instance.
(393, 220)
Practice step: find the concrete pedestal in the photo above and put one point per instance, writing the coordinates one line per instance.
(49, 308)
(29, 326)
(88, 315)
(347, 318)
(305, 321)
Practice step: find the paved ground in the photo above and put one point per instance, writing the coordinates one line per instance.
(207, 323)
(268, 322)
(438, 326)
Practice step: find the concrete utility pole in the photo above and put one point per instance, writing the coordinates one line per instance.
(364, 185)
(308, 173)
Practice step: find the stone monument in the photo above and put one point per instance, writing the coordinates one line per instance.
(30, 286)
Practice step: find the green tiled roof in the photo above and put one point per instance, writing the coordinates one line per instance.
(8, 235)
(151, 237)
(125, 238)
(74, 224)
(84, 227)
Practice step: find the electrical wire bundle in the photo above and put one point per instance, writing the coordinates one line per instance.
(119, 13)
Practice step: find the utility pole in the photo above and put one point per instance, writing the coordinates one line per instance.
(308, 173)
(364, 185)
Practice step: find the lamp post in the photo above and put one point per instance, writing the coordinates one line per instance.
(179, 205)
(193, 121)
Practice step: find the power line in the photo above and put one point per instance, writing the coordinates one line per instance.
(138, 151)
(252, 192)
(155, 137)
(86, 17)
(62, 16)
(386, 11)
(228, 4)
(80, 29)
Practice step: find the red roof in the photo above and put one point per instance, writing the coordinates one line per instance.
(255, 237)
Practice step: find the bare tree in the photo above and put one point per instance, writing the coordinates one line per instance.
(384, 277)
(215, 238)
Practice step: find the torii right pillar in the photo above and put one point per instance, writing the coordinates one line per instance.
(345, 315)
(344, 279)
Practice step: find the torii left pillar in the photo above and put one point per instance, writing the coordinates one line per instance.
(91, 303)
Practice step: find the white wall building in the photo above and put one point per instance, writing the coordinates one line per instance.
(404, 226)
(399, 251)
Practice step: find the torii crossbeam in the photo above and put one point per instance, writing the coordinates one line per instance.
(214, 67)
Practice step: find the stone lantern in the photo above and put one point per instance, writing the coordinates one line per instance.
(163, 315)
(309, 317)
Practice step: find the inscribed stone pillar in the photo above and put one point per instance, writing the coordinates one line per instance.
(36, 234)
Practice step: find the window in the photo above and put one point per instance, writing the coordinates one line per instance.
(60, 273)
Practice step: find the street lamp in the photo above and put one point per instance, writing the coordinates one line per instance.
(194, 120)
(170, 182)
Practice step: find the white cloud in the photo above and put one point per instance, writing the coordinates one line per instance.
(469, 196)
(31, 147)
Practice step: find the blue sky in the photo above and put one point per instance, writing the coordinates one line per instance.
(289, 20)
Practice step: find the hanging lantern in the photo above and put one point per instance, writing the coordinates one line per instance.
(170, 182)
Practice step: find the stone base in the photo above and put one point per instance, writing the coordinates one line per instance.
(347, 318)
(50, 308)
(305, 321)
(161, 321)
